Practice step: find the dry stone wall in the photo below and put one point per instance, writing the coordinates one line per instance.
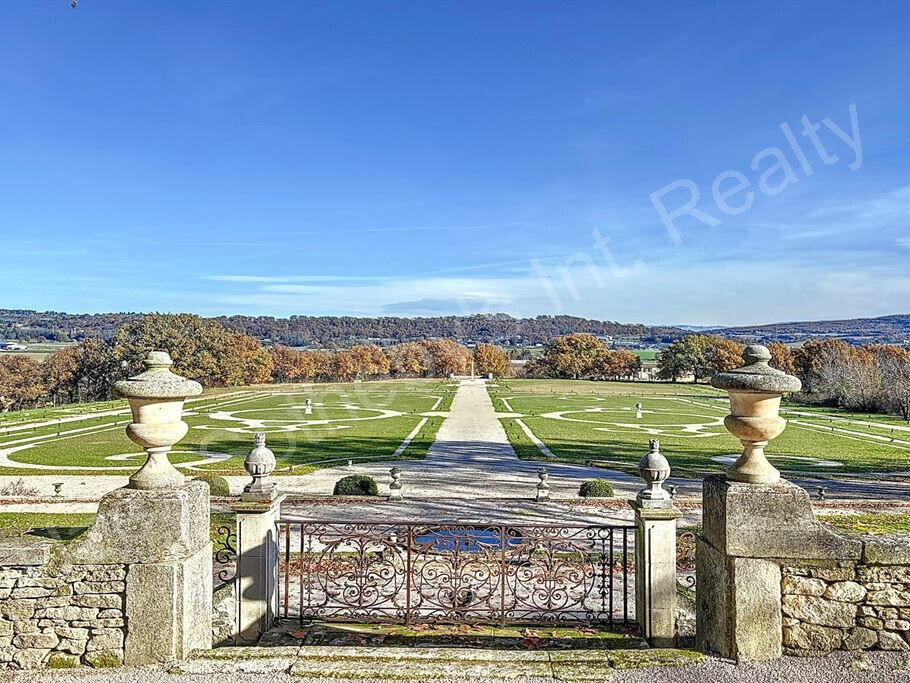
(852, 607)
(60, 616)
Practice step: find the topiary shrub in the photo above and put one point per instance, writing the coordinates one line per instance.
(595, 488)
(356, 485)
(218, 485)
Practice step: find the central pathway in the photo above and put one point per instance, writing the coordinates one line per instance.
(470, 458)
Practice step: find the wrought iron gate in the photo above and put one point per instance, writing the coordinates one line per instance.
(415, 572)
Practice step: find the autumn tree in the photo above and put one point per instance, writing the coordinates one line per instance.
(82, 372)
(20, 382)
(490, 359)
(201, 349)
(409, 359)
(370, 361)
(620, 364)
(574, 355)
(782, 357)
(447, 357)
(287, 364)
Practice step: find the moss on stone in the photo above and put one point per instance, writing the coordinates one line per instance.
(60, 660)
(103, 660)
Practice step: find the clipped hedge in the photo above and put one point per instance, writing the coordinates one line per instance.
(595, 488)
(356, 485)
(218, 485)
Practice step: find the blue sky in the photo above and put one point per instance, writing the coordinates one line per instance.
(451, 158)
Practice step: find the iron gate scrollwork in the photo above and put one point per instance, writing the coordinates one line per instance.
(415, 572)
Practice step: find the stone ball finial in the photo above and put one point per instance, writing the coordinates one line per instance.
(259, 463)
(756, 353)
(654, 469)
(158, 359)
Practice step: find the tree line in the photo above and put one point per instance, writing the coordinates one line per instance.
(337, 331)
(870, 378)
(204, 350)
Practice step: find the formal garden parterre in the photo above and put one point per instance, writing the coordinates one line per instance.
(595, 422)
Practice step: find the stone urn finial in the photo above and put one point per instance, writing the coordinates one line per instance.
(654, 469)
(259, 463)
(543, 488)
(156, 399)
(395, 486)
(755, 391)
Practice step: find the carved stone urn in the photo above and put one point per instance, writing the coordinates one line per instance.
(156, 400)
(259, 463)
(755, 391)
(654, 469)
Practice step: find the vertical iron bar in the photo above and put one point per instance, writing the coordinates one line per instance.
(502, 571)
(625, 575)
(612, 540)
(603, 574)
(300, 560)
(407, 577)
(287, 564)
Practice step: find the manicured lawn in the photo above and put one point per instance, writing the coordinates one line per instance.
(595, 421)
(877, 524)
(354, 421)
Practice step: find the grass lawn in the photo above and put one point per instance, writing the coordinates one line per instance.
(877, 524)
(351, 421)
(595, 421)
(67, 525)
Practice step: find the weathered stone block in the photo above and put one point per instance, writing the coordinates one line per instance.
(83, 587)
(819, 611)
(17, 610)
(70, 613)
(845, 591)
(104, 601)
(834, 573)
(860, 638)
(887, 550)
(768, 521)
(801, 585)
(31, 659)
(36, 640)
(892, 641)
(72, 646)
(31, 592)
(812, 637)
(24, 551)
(109, 639)
(897, 625)
(889, 597)
(872, 622)
(72, 633)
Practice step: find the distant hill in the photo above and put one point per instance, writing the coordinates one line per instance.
(331, 331)
(889, 329)
(499, 328)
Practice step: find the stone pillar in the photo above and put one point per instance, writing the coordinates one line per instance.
(655, 570)
(655, 552)
(158, 527)
(257, 566)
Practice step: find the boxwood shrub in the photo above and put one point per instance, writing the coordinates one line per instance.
(356, 485)
(595, 488)
(218, 485)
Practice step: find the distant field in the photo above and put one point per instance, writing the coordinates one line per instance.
(595, 421)
(347, 421)
(646, 354)
(37, 351)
